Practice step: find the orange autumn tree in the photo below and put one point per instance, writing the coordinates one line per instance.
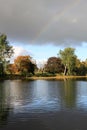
(11, 69)
(24, 65)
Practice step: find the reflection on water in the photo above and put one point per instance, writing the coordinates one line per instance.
(4, 109)
(81, 96)
(41, 96)
(69, 93)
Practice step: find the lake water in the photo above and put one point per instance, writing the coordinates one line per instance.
(43, 105)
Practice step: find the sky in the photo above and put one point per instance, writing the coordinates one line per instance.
(41, 28)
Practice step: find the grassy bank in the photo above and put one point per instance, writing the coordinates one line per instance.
(55, 77)
(58, 77)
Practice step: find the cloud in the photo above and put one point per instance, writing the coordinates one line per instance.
(40, 63)
(44, 21)
(19, 51)
(74, 20)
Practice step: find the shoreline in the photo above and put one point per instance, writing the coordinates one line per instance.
(55, 78)
(58, 77)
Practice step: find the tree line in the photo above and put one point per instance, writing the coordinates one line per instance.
(66, 62)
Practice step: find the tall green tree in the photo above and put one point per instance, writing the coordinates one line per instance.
(68, 59)
(6, 51)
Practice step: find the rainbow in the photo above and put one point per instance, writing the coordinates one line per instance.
(55, 18)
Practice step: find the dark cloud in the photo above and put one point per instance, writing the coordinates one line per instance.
(44, 21)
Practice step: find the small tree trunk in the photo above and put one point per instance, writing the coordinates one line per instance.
(65, 70)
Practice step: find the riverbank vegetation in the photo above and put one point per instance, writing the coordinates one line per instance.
(66, 64)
